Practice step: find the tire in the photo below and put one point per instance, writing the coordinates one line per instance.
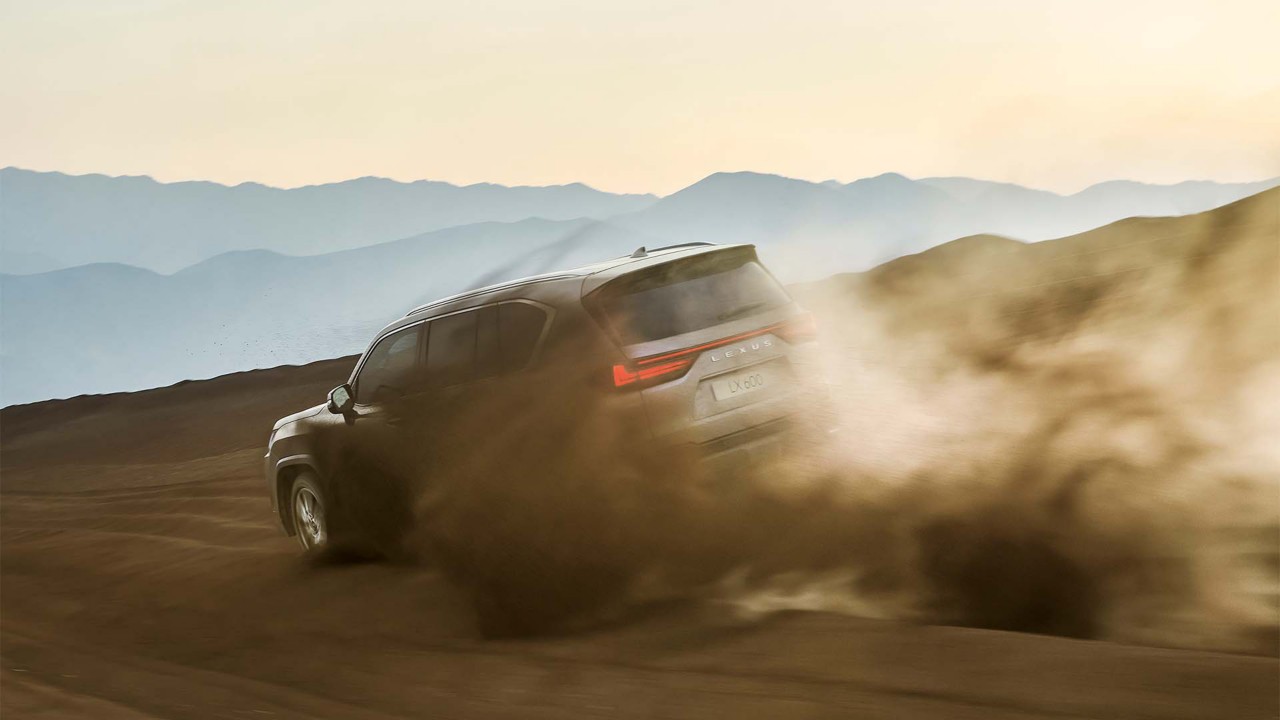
(307, 512)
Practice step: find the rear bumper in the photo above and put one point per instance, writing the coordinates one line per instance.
(765, 447)
(761, 443)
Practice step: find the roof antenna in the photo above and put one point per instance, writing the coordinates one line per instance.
(639, 253)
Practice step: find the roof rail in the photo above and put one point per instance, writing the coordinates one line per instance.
(510, 284)
(642, 251)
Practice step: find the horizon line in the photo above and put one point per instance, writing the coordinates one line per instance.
(254, 183)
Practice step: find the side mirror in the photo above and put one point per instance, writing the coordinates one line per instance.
(340, 400)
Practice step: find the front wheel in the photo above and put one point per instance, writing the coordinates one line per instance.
(310, 522)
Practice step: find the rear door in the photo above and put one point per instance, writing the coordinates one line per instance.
(707, 342)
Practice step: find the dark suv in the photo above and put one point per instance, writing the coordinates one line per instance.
(698, 344)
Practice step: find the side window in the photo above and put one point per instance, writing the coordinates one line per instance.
(488, 350)
(451, 350)
(482, 343)
(519, 327)
(389, 370)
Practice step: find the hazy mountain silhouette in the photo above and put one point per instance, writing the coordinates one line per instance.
(49, 220)
(814, 229)
(109, 326)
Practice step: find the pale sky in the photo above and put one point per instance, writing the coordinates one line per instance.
(642, 96)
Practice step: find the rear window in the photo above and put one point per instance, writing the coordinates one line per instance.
(689, 295)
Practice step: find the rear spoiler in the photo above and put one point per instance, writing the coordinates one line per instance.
(656, 257)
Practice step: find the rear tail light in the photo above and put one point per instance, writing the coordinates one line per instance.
(800, 328)
(661, 368)
(624, 376)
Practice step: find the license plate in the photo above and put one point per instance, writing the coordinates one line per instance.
(737, 385)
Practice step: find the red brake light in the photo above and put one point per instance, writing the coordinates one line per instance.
(798, 329)
(623, 376)
(801, 328)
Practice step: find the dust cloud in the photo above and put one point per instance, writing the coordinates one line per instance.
(1072, 438)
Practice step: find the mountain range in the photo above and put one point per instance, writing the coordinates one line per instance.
(814, 229)
(50, 221)
(111, 325)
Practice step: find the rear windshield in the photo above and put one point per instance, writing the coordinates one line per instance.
(688, 295)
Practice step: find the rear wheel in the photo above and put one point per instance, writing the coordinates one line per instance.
(310, 521)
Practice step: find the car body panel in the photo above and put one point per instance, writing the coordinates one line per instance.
(683, 410)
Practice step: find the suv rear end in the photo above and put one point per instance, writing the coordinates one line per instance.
(714, 346)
